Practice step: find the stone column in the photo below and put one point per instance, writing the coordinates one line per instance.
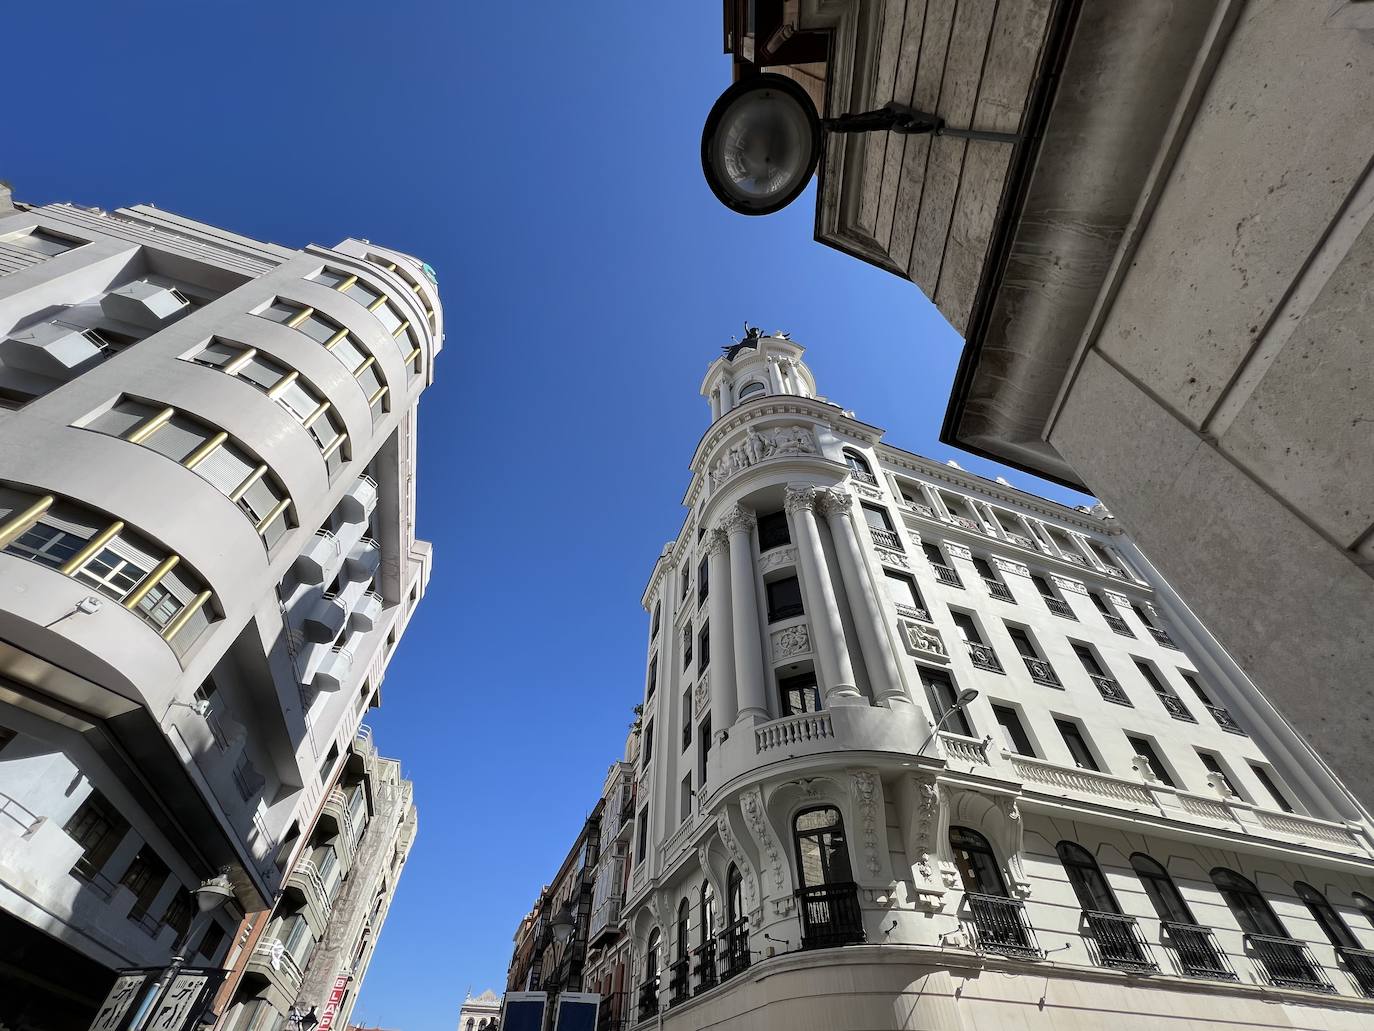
(750, 690)
(727, 396)
(883, 672)
(724, 702)
(823, 611)
(715, 404)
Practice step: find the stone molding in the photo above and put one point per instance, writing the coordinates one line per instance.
(923, 641)
(761, 445)
(801, 499)
(738, 520)
(777, 557)
(864, 787)
(717, 541)
(893, 558)
(834, 502)
(1064, 583)
(790, 641)
(958, 550)
(751, 804)
(749, 883)
(1006, 565)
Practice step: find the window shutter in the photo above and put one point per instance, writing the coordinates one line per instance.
(297, 400)
(177, 438)
(262, 372)
(225, 468)
(121, 418)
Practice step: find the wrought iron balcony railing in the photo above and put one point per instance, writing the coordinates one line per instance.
(863, 476)
(999, 590)
(705, 969)
(1174, 706)
(946, 575)
(830, 916)
(1197, 951)
(734, 950)
(885, 538)
(984, 657)
(1162, 636)
(1059, 608)
(1225, 720)
(1000, 924)
(1118, 941)
(648, 999)
(1042, 672)
(1118, 624)
(679, 987)
(1360, 964)
(1288, 963)
(1109, 689)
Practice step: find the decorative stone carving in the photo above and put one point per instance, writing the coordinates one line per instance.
(1006, 565)
(927, 825)
(957, 550)
(777, 557)
(864, 786)
(1118, 599)
(1065, 584)
(717, 541)
(751, 804)
(834, 501)
(759, 446)
(914, 536)
(783, 905)
(1141, 765)
(868, 491)
(893, 558)
(749, 883)
(1015, 835)
(800, 499)
(738, 520)
(791, 640)
(923, 640)
(701, 694)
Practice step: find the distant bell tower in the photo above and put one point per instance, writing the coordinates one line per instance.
(756, 366)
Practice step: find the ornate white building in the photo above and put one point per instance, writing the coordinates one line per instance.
(480, 1012)
(923, 750)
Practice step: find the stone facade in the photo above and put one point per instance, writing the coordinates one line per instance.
(1113, 826)
(207, 558)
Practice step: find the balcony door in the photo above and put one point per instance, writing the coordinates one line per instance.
(828, 897)
(999, 922)
(1117, 936)
(977, 863)
(1285, 960)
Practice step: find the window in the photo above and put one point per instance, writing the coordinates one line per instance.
(144, 877)
(1145, 750)
(933, 554)
(822, 852)
(685, 580)
(784, 599)
(1022, 642)
(944, 573)
(858, 467)
(1192, 682)
(750, 389)
(1159, 886)
(1091, 888)
(337, 341)
(708, 912)
(653, 627)
(1262, 775)
(901, 588)
(1251, 909)
(98, 828)
(1333, 925)
(773, 531)
(941, 695)
(977, 863)
(1140, 614)
(686, 719)
(703, 581)
(685, 812)
(1213, 765)
(47, 544)
(642, 835)
(684, 910)
(211, 941)
(984, 568)
(704, 647)
(653, 676)
(968, 629)
(1077, 745)
(687, 639)
(703, 748)
(734, 895)
(1014, 737)
(41, 241)
(876, 518)
(1042, 585)
(1089, 660)
(799, 694)
(648, 756)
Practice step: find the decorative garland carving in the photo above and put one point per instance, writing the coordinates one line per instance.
(800, 499)
(1064, 583)
(751, 804)
(738, 520)
(958, 550)
(701, 694)
(893, 558)
(1118, 599)
(760, 445)
(777, 557)
(748, 882)
(1006, 565)
(792, 640)
(864, 786)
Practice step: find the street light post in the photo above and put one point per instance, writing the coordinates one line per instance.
(967, 695)
(562, 927)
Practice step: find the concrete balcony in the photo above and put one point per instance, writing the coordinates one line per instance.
(363, 559)
(319, 556)
(271, 960)
(365, 750)
(325, 619)
(367, 613)
(334, 671)
(305, 878)
(359, 501)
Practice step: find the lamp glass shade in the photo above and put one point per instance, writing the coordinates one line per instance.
(562, 926)
(760, 144)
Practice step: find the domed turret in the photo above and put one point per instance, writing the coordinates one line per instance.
(757, 366)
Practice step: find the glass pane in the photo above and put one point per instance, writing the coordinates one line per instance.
(362, 293)
(280, 311)
(387, 316)
(319, 328)
(328, 277)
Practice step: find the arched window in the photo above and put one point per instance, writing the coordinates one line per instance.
(734, 895)
(1366, 906)
(858, 466)
(1286, 962)
(822, 853)
(1251, 909)
(708, 912)
(1159, 886)
(651, 958)
(1333, 925)
(684, 910)
(1093, 891)
(750, 389)
(469, 1024)
(977, 863)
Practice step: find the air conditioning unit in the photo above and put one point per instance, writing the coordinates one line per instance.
(145, 304)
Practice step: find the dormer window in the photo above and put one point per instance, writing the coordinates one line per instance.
(751, 390)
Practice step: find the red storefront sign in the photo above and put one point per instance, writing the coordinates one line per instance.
(331, 1008)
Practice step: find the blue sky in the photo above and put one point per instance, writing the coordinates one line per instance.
(543, 157)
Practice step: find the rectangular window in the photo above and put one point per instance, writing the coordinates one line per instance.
(703, 581)
(1192, 682)
(1269, 785)
(1022, 641)
(968, 630)
(648, 756)
(98, 828)
(799, 694)
(784, 599)
(1014, 737)
(145, 877)
(687, 646)
(642, 835)
(1078, 748)
(773, 531)
(704, 647)
(1213, 765)
(47, 544)
(703, 748)
(901, 588)
(210, 942)
(1146, 750)
(1042, 585)
(179, 912)
(686, 803)
(984, 568)
(876, 518)
(933, 553)
(941, 695)
(1088, 659)
(653, 676)
(686, 719)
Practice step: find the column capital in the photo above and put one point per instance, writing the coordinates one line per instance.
(803, 498)
(738, 520)
(717, 541)
(834, 501)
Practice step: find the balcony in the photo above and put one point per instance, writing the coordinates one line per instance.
(1118, 942)
(271, 959)
(1000, 925)
(984, 657)
(946, 575)
(966, 522)
(1059, 608)
(360, 499)
(791, 731)
(1174, 706)
(1197, 951)
(999, 590)
(369, 610)
(605, 921)
(679, 984)
(325, 619)
(1109, 689)
(1118, 625)
(863, 476)
(885, 538)
(1042, 672)
(648, 999)
(734, 950)
(1225, 720)
(705, 969)
(334, 671)
(921, 509)
(1360, 965)
(364, 559)
(1024, 542)
(830, 916)
(1162, 637)
(318, 559)
(1288, 963)
(305, 877)
(959, 748)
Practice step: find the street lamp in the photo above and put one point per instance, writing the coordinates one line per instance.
(563, 925)
(762, 140)
(967, 695)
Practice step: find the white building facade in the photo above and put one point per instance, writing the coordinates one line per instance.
(207, 557)
(922, 750)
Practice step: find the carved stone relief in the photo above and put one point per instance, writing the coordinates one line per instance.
(864, 786)
(1118, 599)
(894, 558)
(1015, 834)
(868, 491)
(1065, 584)
(749, 883)
(701, 694)
(791, 640)
(759, 446)
(1006, 565)
(777, 557)
(738, 520)
(751, 804)
(922, 640)
(957, 550)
